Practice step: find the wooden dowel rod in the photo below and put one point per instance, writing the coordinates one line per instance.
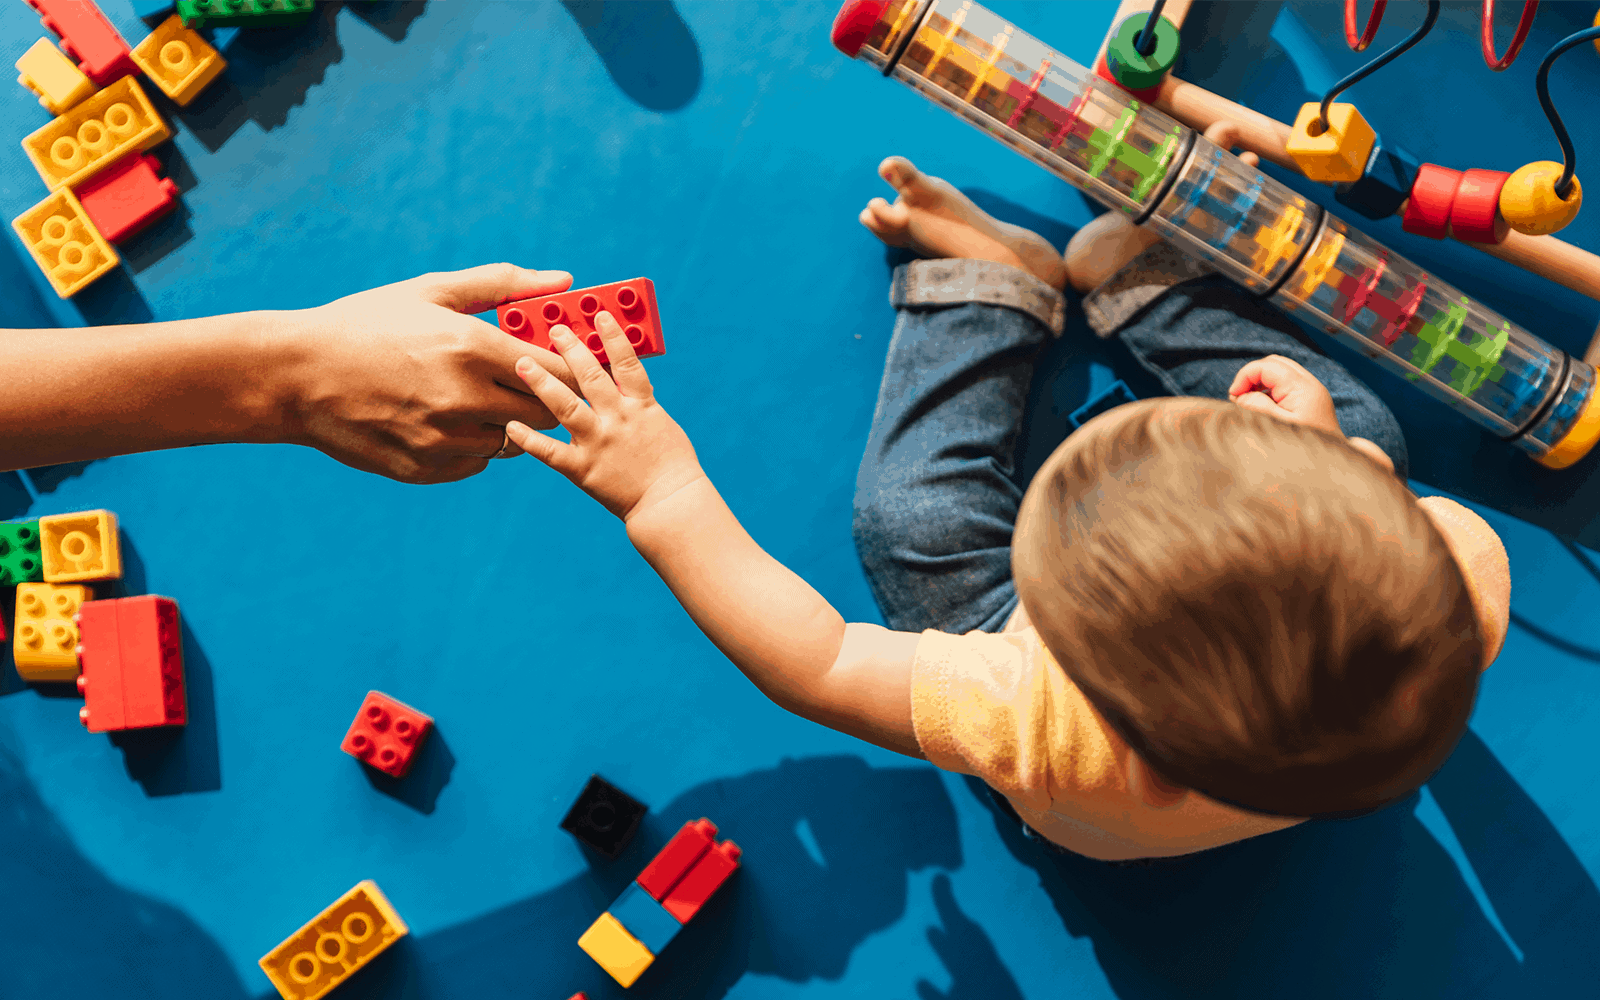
(1199, 109)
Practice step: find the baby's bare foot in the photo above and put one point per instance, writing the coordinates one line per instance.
(931, 217)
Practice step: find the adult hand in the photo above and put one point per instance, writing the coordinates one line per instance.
(404, 381)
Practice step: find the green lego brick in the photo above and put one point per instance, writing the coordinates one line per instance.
(243, 13)
(20, 561)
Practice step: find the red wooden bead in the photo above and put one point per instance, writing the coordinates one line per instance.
(1428, 209)
(1475, 213)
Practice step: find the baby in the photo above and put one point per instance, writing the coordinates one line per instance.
(1205, 619)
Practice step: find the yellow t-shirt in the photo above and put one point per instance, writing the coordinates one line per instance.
(998, 706)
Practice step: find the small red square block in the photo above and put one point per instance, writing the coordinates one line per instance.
(88, 37)
(386, 734)
(631, 303)
(127, 196)
(132, 655)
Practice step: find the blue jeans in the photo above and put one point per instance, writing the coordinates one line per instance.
(938, 490)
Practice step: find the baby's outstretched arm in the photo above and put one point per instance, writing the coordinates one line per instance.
(632, 457)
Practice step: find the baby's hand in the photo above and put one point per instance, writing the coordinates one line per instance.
(626, 452)
(1281, 388)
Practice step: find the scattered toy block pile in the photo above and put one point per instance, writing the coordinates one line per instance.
(104, 190)
(125, 653)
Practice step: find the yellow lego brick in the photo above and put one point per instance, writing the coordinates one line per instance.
(107, 125)
(81, 546)
(64, 243)
(617, 951)
(45, 71)
(1339, 153)
(337, 942)
(46, 646)
(178, 60)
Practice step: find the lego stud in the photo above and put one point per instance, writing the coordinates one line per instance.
(377, 717)
(601, 815)
(121, 120)
(628, 299)
(404, 730)
(175, 55)
(1529, 201)
(73, 257)
(588, 305)
(66, 154)
(597, 347)
(635, 335)
(83, 713)
(28, 635)
(330, 947)
(515, 320)
(361, 745)
(553, 313)
(303, 967)
(55, 231)
(388, 756)
(77, 546)
(356, 928)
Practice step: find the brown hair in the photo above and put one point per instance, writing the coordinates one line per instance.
(1263, 613)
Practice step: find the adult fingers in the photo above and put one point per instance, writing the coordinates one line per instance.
(479, 288)
(556, 454)
(562, 402)
(593, 381)
(626, 368)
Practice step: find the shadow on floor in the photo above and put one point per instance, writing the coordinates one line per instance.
(646, 47)
(1370, 907)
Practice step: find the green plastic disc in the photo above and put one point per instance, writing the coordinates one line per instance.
(1141, 72)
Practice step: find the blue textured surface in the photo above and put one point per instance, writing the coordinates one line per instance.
(724, 151)
(645, 918)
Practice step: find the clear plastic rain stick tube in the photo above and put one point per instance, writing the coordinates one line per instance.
(1256, 231)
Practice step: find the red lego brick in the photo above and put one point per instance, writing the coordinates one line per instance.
(132, 651)
(1475, 212)
(1428, 208)
(708, 874)
(152, 662)
(686, 847)
(100, 652)
(127, 196)
(88, 37)
(631, 303)
(386, 734)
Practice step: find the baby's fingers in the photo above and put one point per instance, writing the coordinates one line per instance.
(1259, 402)
(626, 367)
(561, 457)
(562, 402)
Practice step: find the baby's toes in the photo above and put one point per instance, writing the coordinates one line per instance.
(885, 220)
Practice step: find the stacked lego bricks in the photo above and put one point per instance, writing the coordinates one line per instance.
(626, 939)
(125, 654)
(104, 188)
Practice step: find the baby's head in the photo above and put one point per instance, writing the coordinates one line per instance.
(1257, 608)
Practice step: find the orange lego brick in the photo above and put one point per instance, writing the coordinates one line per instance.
(51, 75)
(178, 60)
(95, 134)
(64, 243)
(334, 944)
(46, 646)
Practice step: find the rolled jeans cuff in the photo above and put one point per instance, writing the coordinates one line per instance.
(950, 282)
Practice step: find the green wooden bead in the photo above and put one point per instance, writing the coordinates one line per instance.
(1134, 70)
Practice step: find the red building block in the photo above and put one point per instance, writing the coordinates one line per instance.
(631, 303)
(686, 847)
(132, 654)
(1428, 208)
(1475, 212)
(705, 878)
(386, 734)
(88, 37)
(127, 196)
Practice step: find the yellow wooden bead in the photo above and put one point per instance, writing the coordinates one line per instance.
(1597, 25)
(1337, 154)
(1529, 203)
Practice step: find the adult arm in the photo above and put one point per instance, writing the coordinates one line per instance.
(401, 380)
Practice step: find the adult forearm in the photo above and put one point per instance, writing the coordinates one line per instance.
(773, 625)
(79, 394)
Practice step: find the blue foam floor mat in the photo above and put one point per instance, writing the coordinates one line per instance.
(722, 150)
